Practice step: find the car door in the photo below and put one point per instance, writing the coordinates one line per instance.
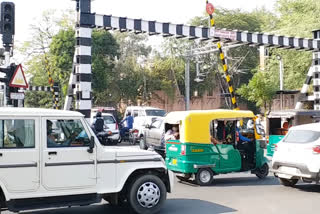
(67, 164)
(154, 132)
(19, 154)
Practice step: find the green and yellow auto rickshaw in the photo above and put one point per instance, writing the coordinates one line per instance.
(279, 122)
(192, 153)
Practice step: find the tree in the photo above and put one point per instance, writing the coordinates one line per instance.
(261, 89)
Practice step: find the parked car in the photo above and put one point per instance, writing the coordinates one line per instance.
(296, 156)
(52, 158)
(153, 135)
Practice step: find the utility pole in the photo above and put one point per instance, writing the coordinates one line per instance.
(187, 82)
(281, 80)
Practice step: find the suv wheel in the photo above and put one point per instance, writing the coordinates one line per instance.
(204, 177)
(288, 182)
(147, 194)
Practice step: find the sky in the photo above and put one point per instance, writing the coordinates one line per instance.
(174, 11)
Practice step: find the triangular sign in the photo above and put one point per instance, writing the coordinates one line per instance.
(18, 79)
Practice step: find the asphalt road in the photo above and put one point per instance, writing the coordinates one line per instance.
(231, 193)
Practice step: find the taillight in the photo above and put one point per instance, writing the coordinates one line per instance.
(117, 126)
(136, 131)
(183, 150)
(316, 149)
(275, 147)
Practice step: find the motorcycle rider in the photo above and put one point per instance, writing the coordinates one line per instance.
(129, 124)
(99, 123)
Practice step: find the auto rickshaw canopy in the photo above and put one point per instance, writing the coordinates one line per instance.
(195, 125)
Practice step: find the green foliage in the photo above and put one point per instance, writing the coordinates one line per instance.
(261, 89)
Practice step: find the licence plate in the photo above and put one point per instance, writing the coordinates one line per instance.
(174, 161)
(289, 170)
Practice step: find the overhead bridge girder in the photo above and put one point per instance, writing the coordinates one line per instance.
(191, 32)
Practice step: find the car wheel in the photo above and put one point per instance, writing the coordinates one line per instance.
(142, 143)
(288, 182)
(147, 194)
(263, 171)
(204, 177)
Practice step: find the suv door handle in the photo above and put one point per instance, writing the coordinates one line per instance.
(52, 153)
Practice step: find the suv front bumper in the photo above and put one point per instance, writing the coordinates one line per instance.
(290, 171)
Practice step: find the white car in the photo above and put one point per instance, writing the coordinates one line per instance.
(297, 155)
(52, 158)
(111, 125)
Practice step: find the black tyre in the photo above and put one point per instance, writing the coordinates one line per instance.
(263, 171)
(288, 182)
(204, 177)
(147, 194)
(131, 139)
(120, 139)
(142, 143)
(183, 178)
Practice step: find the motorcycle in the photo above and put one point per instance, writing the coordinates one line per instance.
(103, 136)
(130, 136)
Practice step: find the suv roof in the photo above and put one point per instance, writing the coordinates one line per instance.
(5, 111)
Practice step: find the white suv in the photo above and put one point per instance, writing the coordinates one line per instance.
(51, 158)
(297, 156)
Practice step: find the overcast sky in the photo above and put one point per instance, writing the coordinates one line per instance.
(174, 11)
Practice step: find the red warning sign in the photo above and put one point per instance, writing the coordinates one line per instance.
(18, 79)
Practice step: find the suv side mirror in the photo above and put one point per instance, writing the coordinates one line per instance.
(91, 145)
(147, 126)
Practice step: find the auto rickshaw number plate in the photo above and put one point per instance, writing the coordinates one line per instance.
(174, 161)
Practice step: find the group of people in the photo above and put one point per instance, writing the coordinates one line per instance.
(99, 125)
(226, 131)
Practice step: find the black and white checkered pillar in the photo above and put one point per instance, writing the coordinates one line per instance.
(82, 64)
(316, 73)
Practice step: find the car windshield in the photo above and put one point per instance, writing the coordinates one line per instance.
(301, 136)
(155, 112)
(108, 119)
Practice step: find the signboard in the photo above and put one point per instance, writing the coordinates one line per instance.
(17, 96)
(210, 9)
(225, 34)
(18, 79)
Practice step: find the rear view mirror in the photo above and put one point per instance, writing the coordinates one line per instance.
(91, 145)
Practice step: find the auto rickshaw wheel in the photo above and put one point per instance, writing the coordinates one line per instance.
(288, 182)
(263, 171)
(184, 178)
(204, 177)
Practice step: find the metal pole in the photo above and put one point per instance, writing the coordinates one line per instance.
(281, 74)
(6, 64)
(187, 83)
(281, 82)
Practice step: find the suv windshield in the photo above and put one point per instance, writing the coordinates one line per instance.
(301, 136)
(154, 112)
